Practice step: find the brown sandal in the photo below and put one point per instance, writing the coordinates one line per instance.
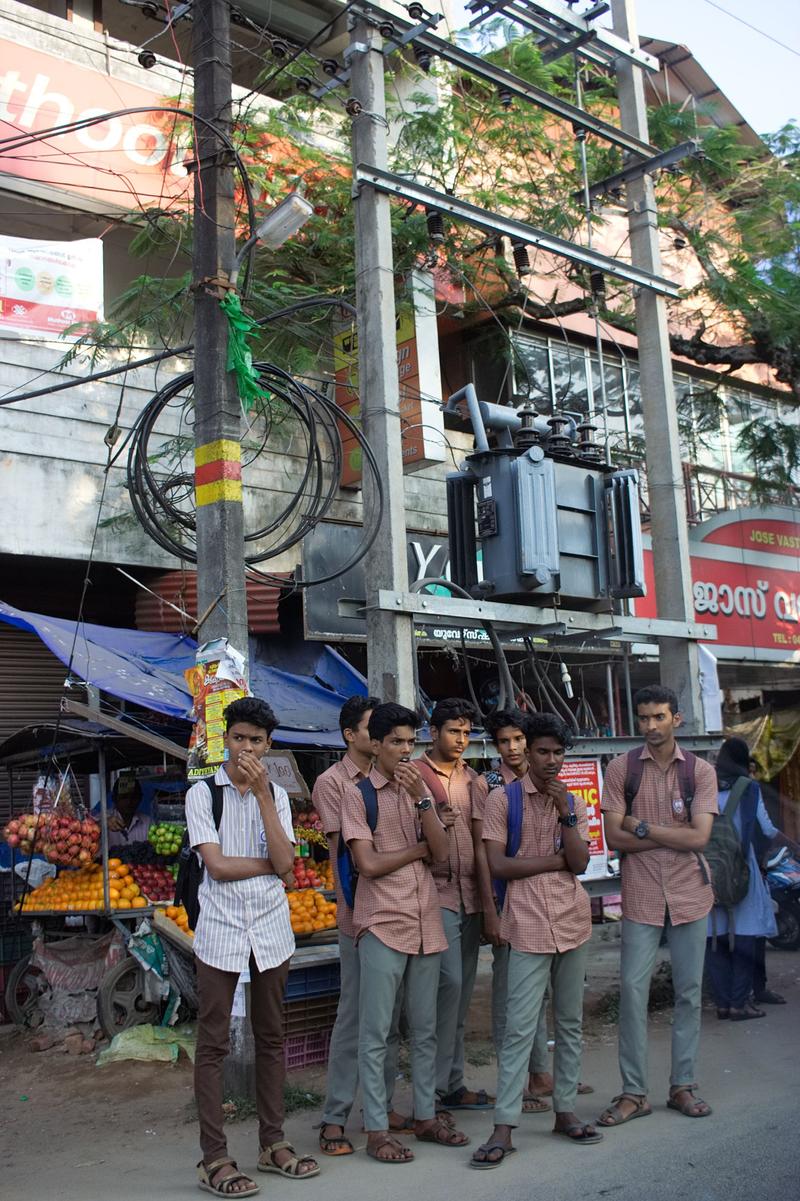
(533, 1104)
(388, 1140)
(442, 1133)
(339, 1145)
(224, 1187)
(688, 1108)
(290, 1169)
(613, 1115)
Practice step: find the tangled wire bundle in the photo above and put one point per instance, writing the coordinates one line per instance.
(161, 481)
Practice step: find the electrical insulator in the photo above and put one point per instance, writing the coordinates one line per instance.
(521, 260)
(237, 18)
(559, 443)
(386, 29)
(597, 282)
(679, 243)
(304, 83)
(435, 225)
(146, 59)
(587, 447)
(353, 107)
(566, 681)
(279, 48)
(505, 97)
(330, 66)
(150, 10)
(416, 12)
(423, 57)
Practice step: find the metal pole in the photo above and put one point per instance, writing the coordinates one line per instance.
(678, 659)
(221, 596)
(612, 710)
(103, 774)
(218, 486)
(390, 636)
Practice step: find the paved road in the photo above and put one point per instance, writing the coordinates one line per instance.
(747, 1151)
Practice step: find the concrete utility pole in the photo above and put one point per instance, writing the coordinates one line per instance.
(679, 667)
(221, 599)
(390, 636)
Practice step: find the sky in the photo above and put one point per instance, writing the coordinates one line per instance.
(759, 77)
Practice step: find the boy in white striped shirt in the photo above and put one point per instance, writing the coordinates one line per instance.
(244, 922)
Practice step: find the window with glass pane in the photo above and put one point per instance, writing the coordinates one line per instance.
(611, 424)
(701, 436)
(532, 370)
(739, 409)
(570, 385)
(633, 399)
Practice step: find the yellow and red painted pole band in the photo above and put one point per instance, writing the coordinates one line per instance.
(218, 472)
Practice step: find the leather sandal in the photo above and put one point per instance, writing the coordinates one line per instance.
(224, 1186)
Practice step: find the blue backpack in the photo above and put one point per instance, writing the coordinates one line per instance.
(514, 836)
(345, 867)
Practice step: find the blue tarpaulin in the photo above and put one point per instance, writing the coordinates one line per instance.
(147, 669)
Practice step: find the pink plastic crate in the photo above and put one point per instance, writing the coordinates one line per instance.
(306, 1050)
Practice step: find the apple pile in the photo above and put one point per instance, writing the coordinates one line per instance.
(25, 831)
(62, 839)
(305, 874)
(309, 819)
(157, 883)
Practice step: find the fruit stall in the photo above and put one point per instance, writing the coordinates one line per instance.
(103, 915)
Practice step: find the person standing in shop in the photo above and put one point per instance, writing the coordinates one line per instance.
(243, 923)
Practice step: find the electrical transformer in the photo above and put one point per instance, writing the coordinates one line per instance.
(535, 512)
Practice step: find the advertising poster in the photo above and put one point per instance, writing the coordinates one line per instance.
(48, 287)
(584, 778)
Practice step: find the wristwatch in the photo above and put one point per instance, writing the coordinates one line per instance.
(642, 830)
(569, 821)
(424, 805)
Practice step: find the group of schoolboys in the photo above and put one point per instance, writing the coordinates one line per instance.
(448, 858)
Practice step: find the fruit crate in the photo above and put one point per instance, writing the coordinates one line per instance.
(318, 980)
(306, 1050)
(310, 1015)
(15, 942)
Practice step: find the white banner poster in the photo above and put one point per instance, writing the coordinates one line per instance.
(47, 287)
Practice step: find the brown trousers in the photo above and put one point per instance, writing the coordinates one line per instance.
(215, 989)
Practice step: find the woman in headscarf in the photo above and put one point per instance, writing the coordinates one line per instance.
(730, 968)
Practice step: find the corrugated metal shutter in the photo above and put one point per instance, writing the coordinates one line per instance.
(31, 685)
(180, 588)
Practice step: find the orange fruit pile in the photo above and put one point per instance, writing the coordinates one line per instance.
(309, 911)
(123, 891)
(178, 915)
(82, 890)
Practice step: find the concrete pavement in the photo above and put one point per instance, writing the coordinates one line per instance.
(747, 1151)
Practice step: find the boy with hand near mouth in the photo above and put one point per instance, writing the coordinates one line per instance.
(547, 922)
(398, 928)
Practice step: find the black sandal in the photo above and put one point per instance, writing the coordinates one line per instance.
(487, 1148)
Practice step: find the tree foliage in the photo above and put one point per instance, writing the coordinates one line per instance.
(733, 213)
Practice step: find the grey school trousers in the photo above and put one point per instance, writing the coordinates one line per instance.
(540, 1055)
(384, 973)
(687, 947)
(343, 1054)
(528, 977)
(456, 982)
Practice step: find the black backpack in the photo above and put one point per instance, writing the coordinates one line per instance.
(726, 853)
(346, 869)
(191, 868)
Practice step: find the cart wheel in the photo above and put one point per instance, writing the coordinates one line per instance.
(25, 987)
(121, 1001)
